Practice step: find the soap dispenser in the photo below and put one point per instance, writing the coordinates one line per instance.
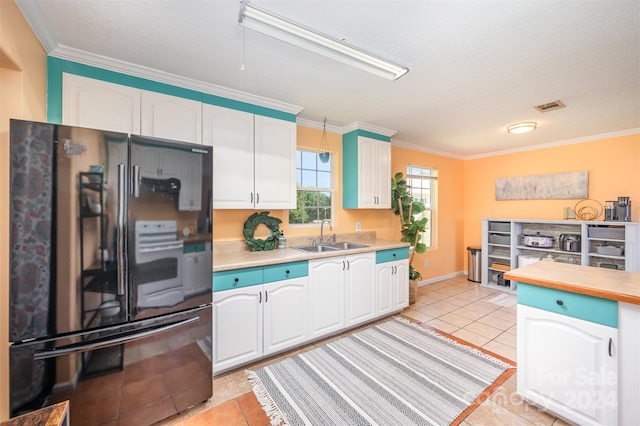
(282, 241)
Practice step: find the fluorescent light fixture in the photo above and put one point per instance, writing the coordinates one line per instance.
(298, 35)
(522, 127)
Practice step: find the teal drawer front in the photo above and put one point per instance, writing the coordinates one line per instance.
(588, 308)
(227, 280)
(383, 256)
(285, 271)
(193, 248)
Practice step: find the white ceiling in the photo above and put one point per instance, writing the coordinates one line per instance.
(475, 66)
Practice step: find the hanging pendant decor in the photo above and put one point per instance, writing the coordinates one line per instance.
(324, 145)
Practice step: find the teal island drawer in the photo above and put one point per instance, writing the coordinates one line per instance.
(285, 271)
(390, 255)
(193, 247)
(236, 278)
(581, 306)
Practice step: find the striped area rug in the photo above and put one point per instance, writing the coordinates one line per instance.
(393, 373)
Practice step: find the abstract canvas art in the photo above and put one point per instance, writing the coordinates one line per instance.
(556, 186)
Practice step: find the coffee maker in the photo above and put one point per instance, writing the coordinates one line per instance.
(618, 210)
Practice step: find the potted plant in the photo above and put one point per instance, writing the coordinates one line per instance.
(411, 228)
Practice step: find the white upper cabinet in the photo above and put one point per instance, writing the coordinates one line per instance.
(367, 174)
(170, 117)
(253, 159)
(275, 163)
(230, 133)
(100, 105)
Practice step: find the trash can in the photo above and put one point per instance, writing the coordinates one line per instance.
(475, 264)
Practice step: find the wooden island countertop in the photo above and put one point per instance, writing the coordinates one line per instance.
(588, 280)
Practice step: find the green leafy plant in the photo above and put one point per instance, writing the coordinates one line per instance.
(406, 209)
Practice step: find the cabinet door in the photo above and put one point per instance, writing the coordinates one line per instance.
(230, 133)
(385, 288)
(382, 170)
(285, 314)
(237, 327)
(374, 173)
(401, 284)
(360, 288)
(170, 117)
(275, 163)
(568, 366)
(366, 175)
(326, 296)
(100, 105)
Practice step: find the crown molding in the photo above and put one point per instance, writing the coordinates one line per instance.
(358, 125)
(592, 138)
(304, 122)
(116, 65)
(39, 24)
(414, 147)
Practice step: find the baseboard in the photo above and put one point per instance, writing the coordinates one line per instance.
(441, 278)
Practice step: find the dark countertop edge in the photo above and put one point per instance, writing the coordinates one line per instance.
(278, 256)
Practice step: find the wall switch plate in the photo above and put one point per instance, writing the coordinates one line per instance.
(358, 226)
(426, 263)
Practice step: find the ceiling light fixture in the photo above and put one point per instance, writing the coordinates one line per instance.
(522, 127)
(266, 23)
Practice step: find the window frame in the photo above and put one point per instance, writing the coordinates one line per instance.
(330, 190)
(431, 208)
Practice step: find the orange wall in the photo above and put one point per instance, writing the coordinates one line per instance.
(613, 166)
(22, 95)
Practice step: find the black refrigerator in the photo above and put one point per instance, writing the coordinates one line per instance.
(103, 311)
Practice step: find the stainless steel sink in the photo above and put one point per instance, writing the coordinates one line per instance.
(330, 247)
(346, 245)
(317, 249)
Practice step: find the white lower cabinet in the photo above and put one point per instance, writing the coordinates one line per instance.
(237, 327)
(567, 365)
(326, 296)
(260, 319)
(284, 314)
(360, 288)
(261, 311)
(392, 280)
(393, 286)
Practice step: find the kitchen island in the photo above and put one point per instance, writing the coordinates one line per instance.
(578, 341)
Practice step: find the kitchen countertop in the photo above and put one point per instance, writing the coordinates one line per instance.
(248, 259)
(592, 281)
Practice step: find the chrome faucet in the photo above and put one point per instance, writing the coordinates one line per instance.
(321, 229)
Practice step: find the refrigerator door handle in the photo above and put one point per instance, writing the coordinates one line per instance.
(117, 340)
(136, 181)
(120, 228)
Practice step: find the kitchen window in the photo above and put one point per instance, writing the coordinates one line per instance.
(315, 189)
(423, 186)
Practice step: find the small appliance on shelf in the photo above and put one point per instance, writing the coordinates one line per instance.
(618, 210)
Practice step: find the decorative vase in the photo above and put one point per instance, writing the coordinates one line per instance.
(413, 291)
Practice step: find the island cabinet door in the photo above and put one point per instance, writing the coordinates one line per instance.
(568, 366)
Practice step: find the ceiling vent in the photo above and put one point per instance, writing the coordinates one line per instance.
(549, 106)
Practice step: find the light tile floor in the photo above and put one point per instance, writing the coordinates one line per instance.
(458, 307)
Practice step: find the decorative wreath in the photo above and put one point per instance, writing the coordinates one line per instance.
(250, 227)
